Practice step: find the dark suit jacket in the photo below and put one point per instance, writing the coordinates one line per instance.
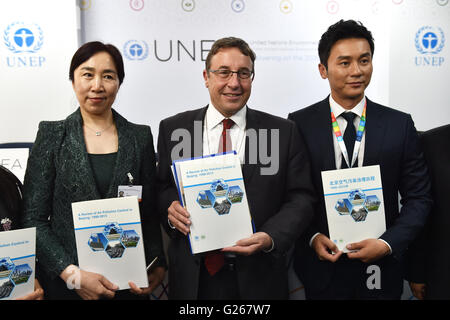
(429, 256)
(10, 200)
(391, 142)
(280, 204)
(59, 173)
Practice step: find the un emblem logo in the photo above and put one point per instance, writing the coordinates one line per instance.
(238, 5)
(135, 50)
(21, 38)
(429, 40)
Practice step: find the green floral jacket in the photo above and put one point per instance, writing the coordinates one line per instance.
(59, 173)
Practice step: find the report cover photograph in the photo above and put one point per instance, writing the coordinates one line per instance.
(17, 263)
(109, 240)
(354, 204)
(212, 190)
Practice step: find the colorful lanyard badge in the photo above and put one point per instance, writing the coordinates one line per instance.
(359, 135)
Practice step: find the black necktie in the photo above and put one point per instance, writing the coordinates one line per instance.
(349, 136)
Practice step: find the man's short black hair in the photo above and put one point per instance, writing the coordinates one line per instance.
(342, 30)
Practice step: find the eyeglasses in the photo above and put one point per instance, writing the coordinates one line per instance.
(226, 74)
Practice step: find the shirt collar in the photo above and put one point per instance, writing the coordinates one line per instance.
(338, 109)
(214, 117)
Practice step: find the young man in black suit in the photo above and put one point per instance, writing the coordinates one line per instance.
(390, 141)
(280, 197)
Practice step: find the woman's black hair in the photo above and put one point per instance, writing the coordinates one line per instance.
(10, 192)
(89, 49)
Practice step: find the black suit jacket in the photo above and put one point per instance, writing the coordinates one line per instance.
(280, 204)
(391, 142)
(429, 256)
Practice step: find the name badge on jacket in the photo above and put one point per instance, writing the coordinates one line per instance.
(128, 191)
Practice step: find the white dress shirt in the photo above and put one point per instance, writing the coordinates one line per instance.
(342, 123)
(212, 131)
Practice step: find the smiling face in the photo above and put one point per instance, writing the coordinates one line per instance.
(229, 95)
(96, 84)
(349, 70)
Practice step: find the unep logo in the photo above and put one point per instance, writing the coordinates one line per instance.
(22, 38)
(429, 40)
(135, 50)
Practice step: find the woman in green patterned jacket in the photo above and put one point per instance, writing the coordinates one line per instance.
(88, 156)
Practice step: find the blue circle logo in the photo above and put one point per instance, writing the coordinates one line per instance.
(135, 50)
(429, 40)
(238, 5)
(21, 38)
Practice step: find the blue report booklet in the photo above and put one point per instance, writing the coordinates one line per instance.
(212, 190)
(17, 263)
(354, 204)
(109, 240)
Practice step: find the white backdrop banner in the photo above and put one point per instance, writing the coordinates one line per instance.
(38, 39)
(15, 160)
(165, 44)
(420, 61)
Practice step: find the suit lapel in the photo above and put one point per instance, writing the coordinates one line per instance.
(196, 130)
(375, 131)
(252, 123)
(190, 146)
(322, 127)
(77, 148)
(126, 155)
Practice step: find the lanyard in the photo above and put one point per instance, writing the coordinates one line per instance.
(359, 135)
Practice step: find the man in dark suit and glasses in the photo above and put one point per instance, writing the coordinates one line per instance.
(280, 197)
(389, 140)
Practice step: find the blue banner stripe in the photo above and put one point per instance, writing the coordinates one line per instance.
(102, 226)
(333, 194)
(24, 257)
(202, 157)
(203, 184)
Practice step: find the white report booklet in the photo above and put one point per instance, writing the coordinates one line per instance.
(354, 204)
(17, 263)
(212, 190)
(109, 240)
